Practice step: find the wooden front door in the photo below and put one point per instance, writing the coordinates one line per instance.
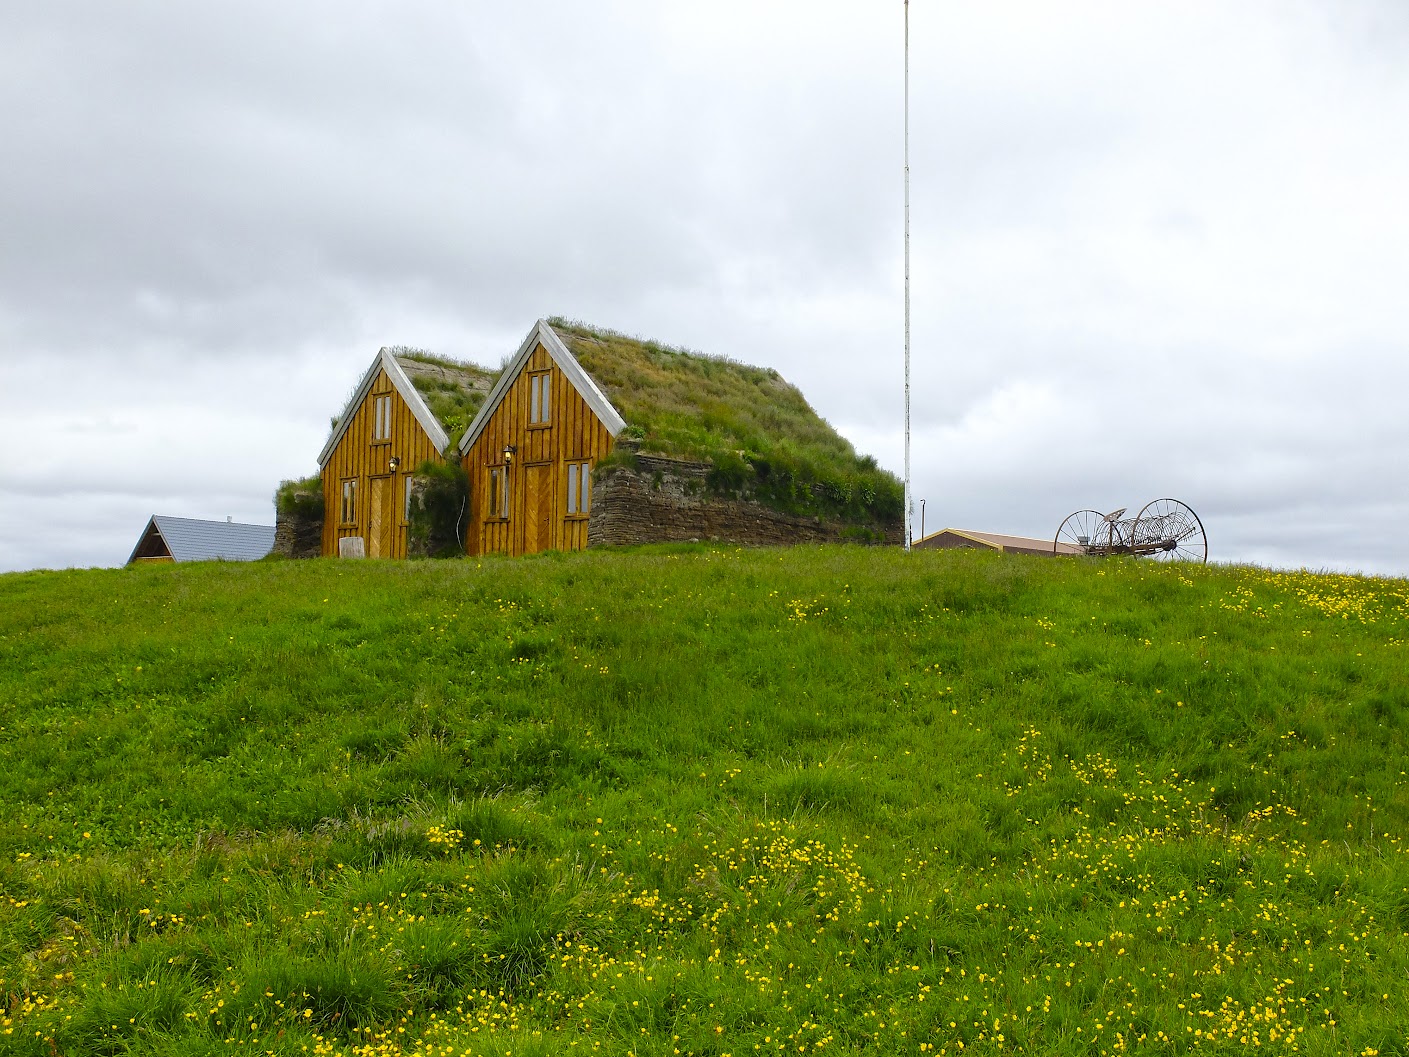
(379, 519)
(536, 526)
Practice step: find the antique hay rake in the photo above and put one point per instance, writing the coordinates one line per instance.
(1165, 529)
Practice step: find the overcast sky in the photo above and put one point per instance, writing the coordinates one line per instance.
(1158, 249)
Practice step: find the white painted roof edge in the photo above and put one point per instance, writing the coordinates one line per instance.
(567, 363)
(582, 381)
(416, 403)
(409, 393)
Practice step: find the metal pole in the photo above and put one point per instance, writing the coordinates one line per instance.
(909, 507)
(922, 519)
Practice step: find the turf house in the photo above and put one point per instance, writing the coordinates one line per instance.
(399, 426)
(583, 437)
(592, 437)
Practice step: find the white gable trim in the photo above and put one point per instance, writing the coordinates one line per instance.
(543, 334)
(387, 362)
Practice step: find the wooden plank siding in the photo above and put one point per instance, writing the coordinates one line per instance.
(573, 434)
(358, 457)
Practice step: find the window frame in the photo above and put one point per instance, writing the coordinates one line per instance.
(497, 494)
(578, 502)
(381, 418)
(540, 400)
(348, 509)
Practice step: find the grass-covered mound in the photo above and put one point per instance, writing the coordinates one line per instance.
(701, 802)
(301, 497)
(761, 435)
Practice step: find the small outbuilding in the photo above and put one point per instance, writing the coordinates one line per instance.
(992, 541)
(184, 539)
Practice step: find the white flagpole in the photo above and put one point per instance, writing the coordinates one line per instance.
(908, 500)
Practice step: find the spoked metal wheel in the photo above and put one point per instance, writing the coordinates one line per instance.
(1169, 531)
(1082, 531)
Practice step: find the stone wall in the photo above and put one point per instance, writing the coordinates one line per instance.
(298, 533)
(664, 500)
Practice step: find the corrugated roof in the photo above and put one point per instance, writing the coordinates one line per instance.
(192, 540)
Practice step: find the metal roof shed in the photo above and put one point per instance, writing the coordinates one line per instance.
(183, 539)
(995, 541)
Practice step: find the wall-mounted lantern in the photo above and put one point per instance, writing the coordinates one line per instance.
(394, 463)
(509, 450)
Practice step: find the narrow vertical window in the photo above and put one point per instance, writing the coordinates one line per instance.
(406, 503)
(349, 502)
(381, 418)
(579, 488)
(497, 494)
(539, 409)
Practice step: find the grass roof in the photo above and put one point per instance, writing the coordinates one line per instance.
(758, 431)
(454, 391)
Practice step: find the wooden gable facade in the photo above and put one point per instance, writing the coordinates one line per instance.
(530, 452)
(385, 432)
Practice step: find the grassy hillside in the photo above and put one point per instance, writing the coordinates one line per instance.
(703, 801)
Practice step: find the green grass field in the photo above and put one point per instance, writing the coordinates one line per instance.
(703, 801)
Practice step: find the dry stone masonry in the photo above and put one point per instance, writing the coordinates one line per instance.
(664, 500)
(298, 533)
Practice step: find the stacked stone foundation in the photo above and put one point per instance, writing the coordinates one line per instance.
(299, 533)
(663, 500)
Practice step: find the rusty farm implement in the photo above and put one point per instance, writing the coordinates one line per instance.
(1165, 530)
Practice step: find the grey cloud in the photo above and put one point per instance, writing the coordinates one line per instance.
(1155, 250)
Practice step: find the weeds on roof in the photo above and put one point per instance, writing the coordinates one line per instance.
(302, 497)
